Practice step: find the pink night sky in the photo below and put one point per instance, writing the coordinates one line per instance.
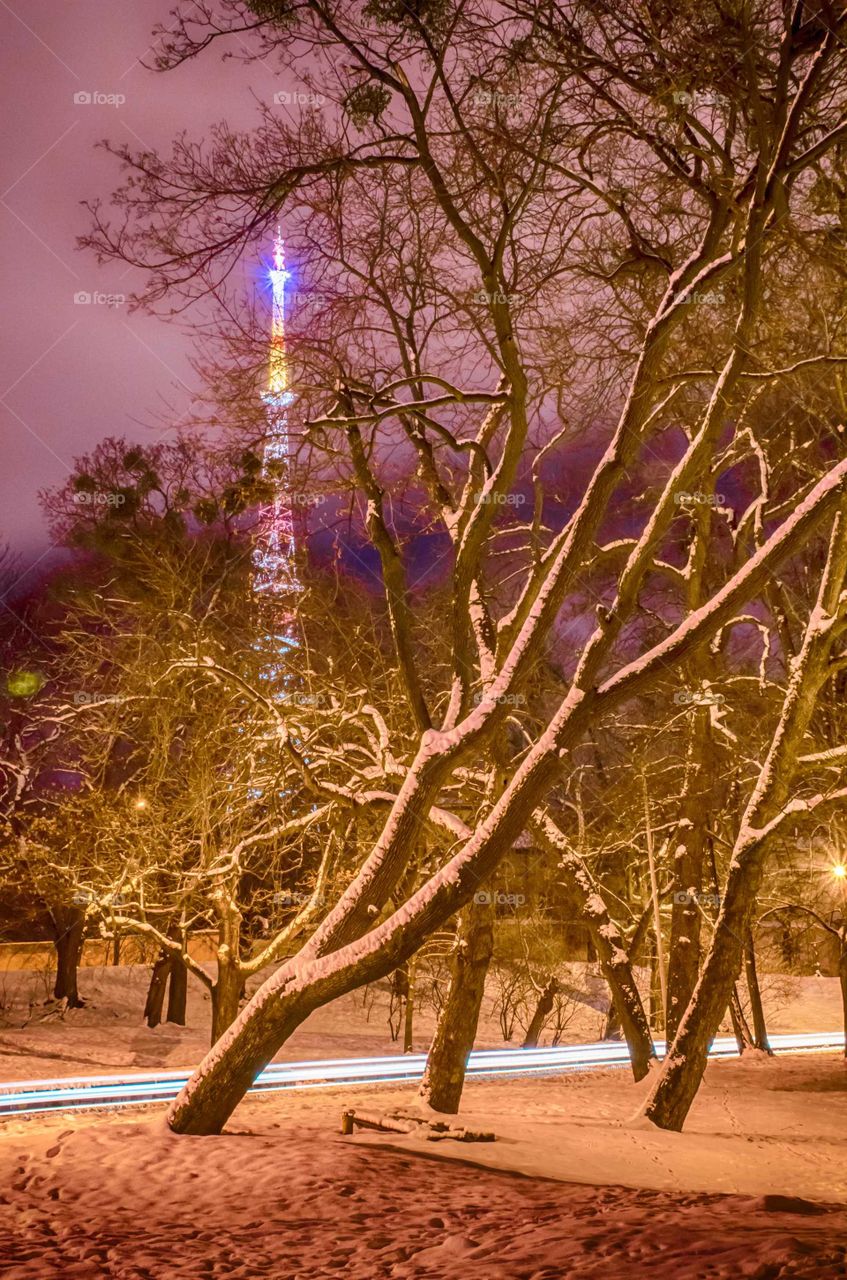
(74, 372)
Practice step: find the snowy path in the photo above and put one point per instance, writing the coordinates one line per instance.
(114, 1196)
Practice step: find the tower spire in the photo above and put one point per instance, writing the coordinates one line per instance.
(278, 370)
(273, 557)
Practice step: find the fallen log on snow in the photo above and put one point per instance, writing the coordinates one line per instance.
(395, 1122)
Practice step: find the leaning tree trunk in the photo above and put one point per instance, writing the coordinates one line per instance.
(329, 966)
(447, 1062)
(333, 962)
(610, 947)
(684, 1066)
(156, 991)
(542, 1012)
(760, 1030)
(177, 991)
(740, 1029)
(69, 925)
(612, 1025)
(337, 959)
(617, 971)
(769, 803)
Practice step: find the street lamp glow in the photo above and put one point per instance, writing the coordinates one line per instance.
(840, 871)
(140, 803)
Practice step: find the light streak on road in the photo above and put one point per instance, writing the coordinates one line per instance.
(73, 1093)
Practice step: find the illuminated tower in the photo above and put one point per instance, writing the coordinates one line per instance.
(275, 573)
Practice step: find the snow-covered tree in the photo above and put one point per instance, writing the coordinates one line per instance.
(552, 247)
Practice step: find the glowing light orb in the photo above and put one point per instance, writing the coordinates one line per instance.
(23, 684)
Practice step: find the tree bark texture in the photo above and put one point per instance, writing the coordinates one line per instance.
(226, 994)
(156, 991)
(177, 991)
(69, 926)
(760, 1030)
(542, 1011)
(444, 1077)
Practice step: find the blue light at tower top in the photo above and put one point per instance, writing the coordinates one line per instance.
(278, 272)
(278, 362)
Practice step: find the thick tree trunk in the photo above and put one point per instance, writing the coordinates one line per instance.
(69, 924)
(689, 865)
(156, 991)
(760, 1030)
(177, 991)
(543, 1009)
(684, 1066)
(446, 1064)
(226, 994)
(323, 970)
(684, 951)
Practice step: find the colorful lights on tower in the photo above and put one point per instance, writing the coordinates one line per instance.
(275, 570)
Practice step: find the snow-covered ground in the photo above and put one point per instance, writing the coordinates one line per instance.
(283, 1195)
(573, 1185)
(109, 1034)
